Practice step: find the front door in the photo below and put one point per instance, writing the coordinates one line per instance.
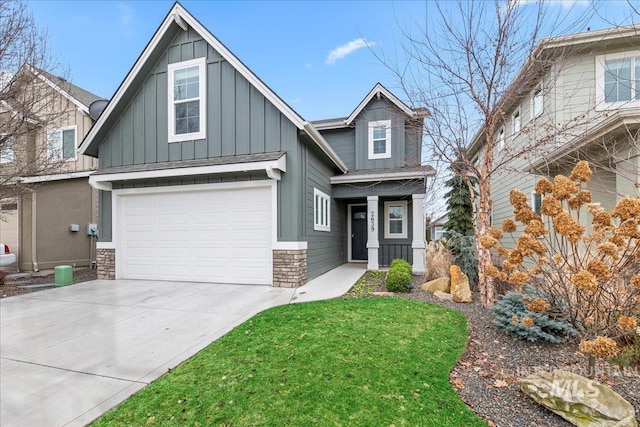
(358, 233)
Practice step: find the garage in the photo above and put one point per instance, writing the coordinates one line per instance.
(9, 224)
(220, 235)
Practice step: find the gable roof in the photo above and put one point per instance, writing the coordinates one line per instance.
(549, 49)
(81, 98)
(179, 17)
(377, 91)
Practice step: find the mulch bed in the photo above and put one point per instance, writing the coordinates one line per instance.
(486, 375)
(9, 289)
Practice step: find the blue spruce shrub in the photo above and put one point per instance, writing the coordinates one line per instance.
(513, 316)
(399, 277)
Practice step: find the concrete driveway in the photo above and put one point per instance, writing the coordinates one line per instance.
(68, 355)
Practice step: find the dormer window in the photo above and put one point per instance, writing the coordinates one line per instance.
(380, 139)
(187, 100)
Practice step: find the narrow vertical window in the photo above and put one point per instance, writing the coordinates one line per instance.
(537, 101)
(6, 149)
(380, 139)
(501, 138)
(187, 100)
(516, 121)
(322, 211)
(536, 202)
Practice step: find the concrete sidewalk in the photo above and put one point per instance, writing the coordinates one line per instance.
(67, 355)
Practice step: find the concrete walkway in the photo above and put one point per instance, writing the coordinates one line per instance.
(67, 355)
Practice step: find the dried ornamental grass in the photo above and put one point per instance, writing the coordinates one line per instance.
(627, 323)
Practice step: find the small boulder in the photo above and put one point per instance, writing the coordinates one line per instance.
(443, 296)
(460, 285)
(441, 284)
(579, 400)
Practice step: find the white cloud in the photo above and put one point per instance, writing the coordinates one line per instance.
(126, 14)
(346, 49)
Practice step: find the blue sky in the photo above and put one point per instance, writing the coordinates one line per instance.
(314, 55)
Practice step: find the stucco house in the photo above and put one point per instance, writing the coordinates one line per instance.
(578, 98)
(205, 174)
(46, 203)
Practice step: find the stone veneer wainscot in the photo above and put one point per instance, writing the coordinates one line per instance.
(289, 268)
(106, 264)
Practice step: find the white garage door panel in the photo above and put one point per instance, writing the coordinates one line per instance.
(204, 236)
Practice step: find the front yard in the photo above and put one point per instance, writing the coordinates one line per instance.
(371, 361)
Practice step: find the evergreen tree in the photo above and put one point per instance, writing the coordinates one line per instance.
(459, 207)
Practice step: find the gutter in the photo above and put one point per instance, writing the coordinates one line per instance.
(324, 146)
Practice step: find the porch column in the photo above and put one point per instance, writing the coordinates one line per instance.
(372, 232)
(418, 244)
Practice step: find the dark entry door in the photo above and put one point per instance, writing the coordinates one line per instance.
(359, 233)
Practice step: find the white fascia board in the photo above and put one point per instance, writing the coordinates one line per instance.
(290, 246)
(378, 88)
(56, 177)
(103, 182)
(62, 92)
(324, 146)
(338, 124)
(394, 176)
(9, 107)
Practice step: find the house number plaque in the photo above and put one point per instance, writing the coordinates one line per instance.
(373, 221)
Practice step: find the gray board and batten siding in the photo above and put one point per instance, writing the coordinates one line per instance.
(325, 249)
(405, 138)
(239, 121)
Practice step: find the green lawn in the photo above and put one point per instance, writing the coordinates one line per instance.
(347, 362)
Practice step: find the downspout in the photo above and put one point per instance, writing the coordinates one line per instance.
(19, 249)
(34, 227)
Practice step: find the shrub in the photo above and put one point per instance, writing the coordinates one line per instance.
(465, 255)
(399, 277)
(592, 278)
(525, 316)
(437, 260)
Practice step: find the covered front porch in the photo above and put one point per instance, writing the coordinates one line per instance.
(385, 217)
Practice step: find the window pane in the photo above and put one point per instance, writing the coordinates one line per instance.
(317, 208)
(617, 80)
(55, 145)
(186, 83)
(379, 147)
(537, 102)
(68, 144)
(395, 212)
(637, 86)
(395, 226)
(187, 117)
(379, 132)
(359, 215)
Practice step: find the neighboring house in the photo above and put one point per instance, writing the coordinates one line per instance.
(207, 175)
(579, 98)
(437, 230)
(48, 195)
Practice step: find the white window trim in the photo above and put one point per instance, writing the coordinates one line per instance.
(75, 144)
(405, 220)
(518, 114)
(539, 87)
(171, 69)
(600, 61)
(324, 222)
(387, 153)
(7, 153)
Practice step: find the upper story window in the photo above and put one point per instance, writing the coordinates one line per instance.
(61, 143)
(536, 202)
(321, 211)
(187, 100)
(6, 149)
(516, 121)
(380, 139)
(618, 80)
(395, 220)
(537, 101)
(501, 138)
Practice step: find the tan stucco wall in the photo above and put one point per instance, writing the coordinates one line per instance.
(58, 205)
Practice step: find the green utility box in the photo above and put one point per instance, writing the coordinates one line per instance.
(63, 275)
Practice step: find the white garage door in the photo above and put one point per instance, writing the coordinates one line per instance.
(9, 224)
(218, 236)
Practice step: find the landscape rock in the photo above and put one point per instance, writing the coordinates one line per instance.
(443, 296)
(579, 400)
(441, 284)
(460, 288)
